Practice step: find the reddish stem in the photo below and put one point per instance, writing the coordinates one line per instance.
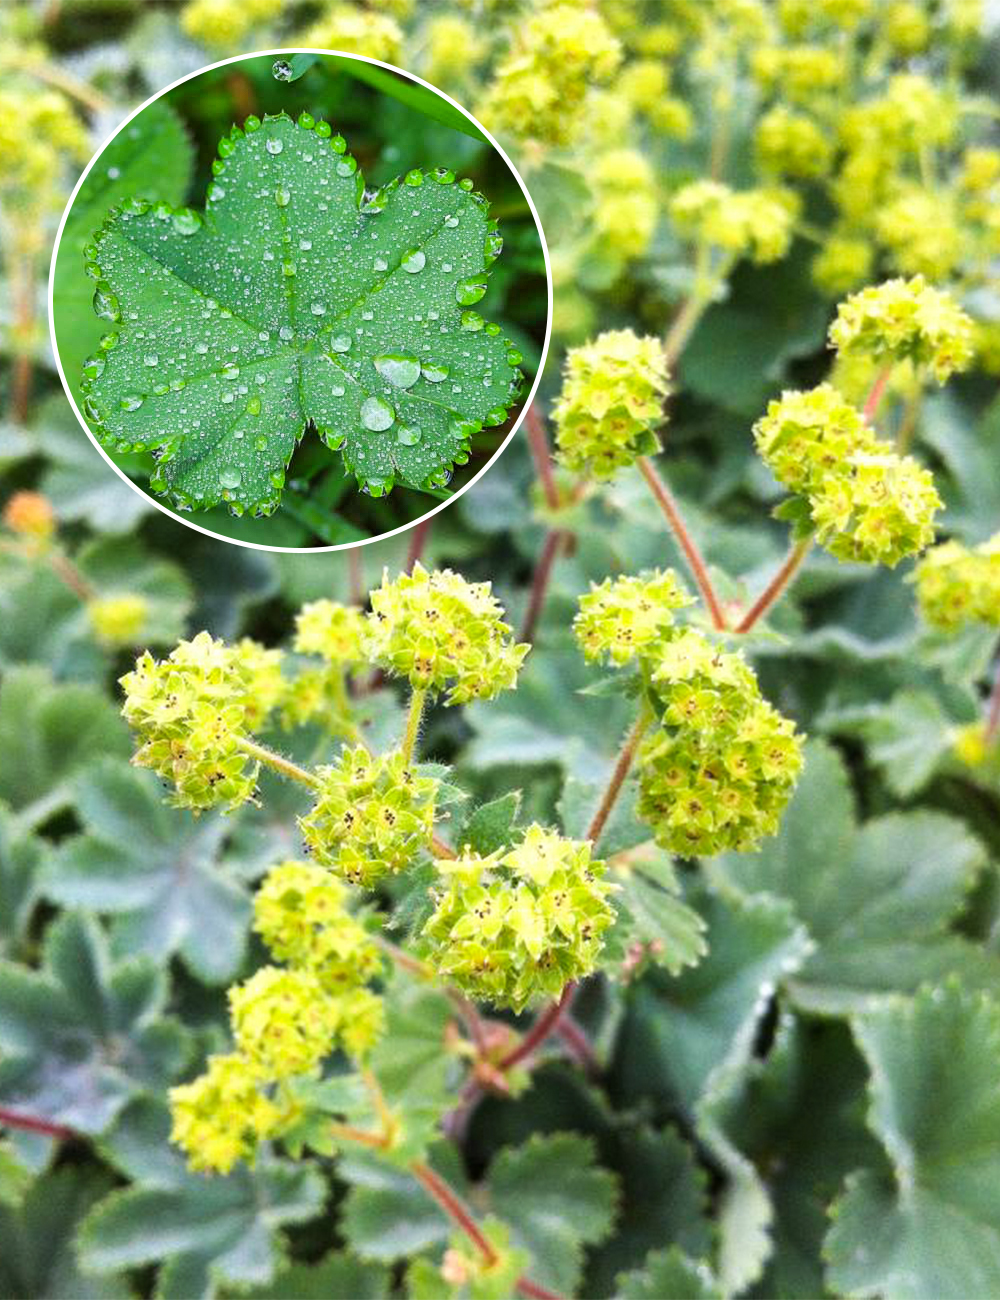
(29, 1124)
(462, 1217)
(539, 444)
(875, 394)
(356, 576)
(699, 570)
(546, 1024)
(776, 586)
(455, 1208)
(617, 779)
(418, 539)
(540, 582)
(578, 1043)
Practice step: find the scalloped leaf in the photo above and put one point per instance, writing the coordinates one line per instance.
(668, 1275)
(203, 1230)
(556, 1200)
(927, 1230)
(84, 1035)
(297, 298)
(21, 856)
(162, 874)
(878, 899)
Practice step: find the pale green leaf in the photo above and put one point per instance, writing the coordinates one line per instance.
(20, 858)
(929, 1229)
(668, 1275)
(338, 1276)
(160, 872)
(556, 1200)
(296, 300)
(84, 1035)
(877, 899)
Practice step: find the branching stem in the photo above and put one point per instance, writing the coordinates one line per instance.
(617, 779)
(699, 570)
(29, 1124)
(551, 547)
(875, 394)
(539, 444)
(545, 1024)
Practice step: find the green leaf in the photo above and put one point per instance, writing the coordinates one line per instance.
(15, 1176)
(654, 923)
(160, 872)
(581, 799)
(204, 1229)
(417, 98)
(411, 1064)
(294, 68)
(929, 1229)
(668, 1275)
(907, 737)
(47, 734)
(338, 1276)
(84, 1035)
(877, 899)
(556, 1200)
(688, 1041)
(38, 1257)
(799, 1116)
(20, 857)
(387, 1215)
(294, 300)
(153, 150)
(491, 826)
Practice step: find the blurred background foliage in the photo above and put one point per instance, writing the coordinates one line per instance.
(732, 1103)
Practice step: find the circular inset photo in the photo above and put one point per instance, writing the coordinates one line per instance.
(300, 300)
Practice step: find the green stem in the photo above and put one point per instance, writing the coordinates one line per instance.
(280, 764)
(417, 700)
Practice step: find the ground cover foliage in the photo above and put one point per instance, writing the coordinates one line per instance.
(781, 1078)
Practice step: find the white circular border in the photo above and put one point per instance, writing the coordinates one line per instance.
(343, 546)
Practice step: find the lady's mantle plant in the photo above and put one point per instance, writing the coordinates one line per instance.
(297, 298)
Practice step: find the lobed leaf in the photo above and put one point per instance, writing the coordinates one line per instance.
(297, 298)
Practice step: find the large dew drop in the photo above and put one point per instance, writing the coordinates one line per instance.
(131, 401)
(413, 261)
(230, 479)
(377, 414)
(434, 372)
(400, 370)
(469, 291)
(273, 145)
(408, 435)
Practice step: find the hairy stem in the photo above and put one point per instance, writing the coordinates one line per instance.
(551, 547)
(364, 1138)
(440, 849)
(908, 424)
(579, 1045)
(67, 572)
(699, 570)
(617, 779)
(279, 763)
(81, 91)
(29, 1124)
(774, 589)
(545, 1024)
(417, 701)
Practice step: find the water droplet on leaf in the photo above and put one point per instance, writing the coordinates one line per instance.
(398, 368)
(377, 414)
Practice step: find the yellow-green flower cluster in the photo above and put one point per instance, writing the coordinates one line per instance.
(224, 23)
(720, 766)
(222, 1116)
(611, 402)
(265, 685)
(866, 503)
(373, 816)
(558, 52)
(957, 586)
(39, 132)
(285, 1021)
(356, 30)
(621, 618)
(516, 925)
(625, 202)
(792, 144)
(444, 634)
(645, 83)
(330, 630)
(118, 620)
(300, 911)
(843, 262)
(741, 223)
(906, 319)
(190, 712)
